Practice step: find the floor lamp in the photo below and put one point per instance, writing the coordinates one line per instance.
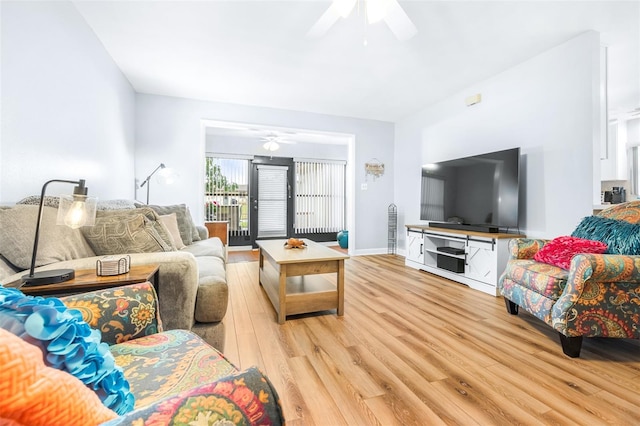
(73, 211)
(147, 180)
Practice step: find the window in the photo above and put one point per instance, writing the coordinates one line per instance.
(320, 197)
(226, 196)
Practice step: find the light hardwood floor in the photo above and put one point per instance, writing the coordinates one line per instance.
(415, 349)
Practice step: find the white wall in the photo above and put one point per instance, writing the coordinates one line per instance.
(168, 130)
(548, 106)
(67, 109)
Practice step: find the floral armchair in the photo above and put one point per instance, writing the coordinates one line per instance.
(154, 377)
(598, 296)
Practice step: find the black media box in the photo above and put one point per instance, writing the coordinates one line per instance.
(450, 263)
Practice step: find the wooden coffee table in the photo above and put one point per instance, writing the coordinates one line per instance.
(87, 280)
(290, 282)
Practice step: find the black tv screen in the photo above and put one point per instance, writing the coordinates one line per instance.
(477, 190)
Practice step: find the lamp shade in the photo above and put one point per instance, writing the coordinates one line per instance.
(75, 211)
(165, 176)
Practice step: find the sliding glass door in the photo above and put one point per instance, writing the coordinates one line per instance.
(270, 197)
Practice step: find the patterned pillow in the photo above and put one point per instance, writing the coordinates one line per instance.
(57, 242)
(620, 236)
(188, 230)
(61, 398)
(68, 344)
(561, 250)
(154, 220)
(121, 314)
(126, 231)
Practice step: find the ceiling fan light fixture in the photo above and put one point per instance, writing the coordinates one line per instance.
(271, 145)
(373, 11)
(377, 10)
(344, 7)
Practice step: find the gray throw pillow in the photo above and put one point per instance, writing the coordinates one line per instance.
(115, 205)
(125, 233)
(194, 229)
(152, 216)
(49, 200)
(56, 243)
(185, 223)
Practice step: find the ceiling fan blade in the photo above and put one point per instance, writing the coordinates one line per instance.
(276, 139)
(399, 22)
(325, 22)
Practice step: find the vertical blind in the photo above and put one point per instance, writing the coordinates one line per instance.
(272, 201)
(226, 193)
(320, 197)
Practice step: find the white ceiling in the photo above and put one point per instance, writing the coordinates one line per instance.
(256, 53)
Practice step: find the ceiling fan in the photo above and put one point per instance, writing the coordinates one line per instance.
(272, 142)
(375, 10)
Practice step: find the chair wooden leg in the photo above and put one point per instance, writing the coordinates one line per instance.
(571, 345)
(512, 308)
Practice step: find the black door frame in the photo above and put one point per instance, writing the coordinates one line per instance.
(253, 193)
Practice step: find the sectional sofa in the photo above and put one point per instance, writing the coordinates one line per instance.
(192, 271)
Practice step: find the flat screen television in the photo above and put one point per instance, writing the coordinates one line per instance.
(477, 193)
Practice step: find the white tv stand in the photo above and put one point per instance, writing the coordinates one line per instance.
(485, 254)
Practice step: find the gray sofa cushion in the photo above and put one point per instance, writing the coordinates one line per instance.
(213, 292)
(188, 230)
(208, 247)
(56, 243)
(211, 266)
(127, 231)
(5, 268)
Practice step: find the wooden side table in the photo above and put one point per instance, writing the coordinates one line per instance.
(87, 280)
(219, 229)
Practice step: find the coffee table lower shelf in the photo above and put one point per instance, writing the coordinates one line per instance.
(303, 293)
